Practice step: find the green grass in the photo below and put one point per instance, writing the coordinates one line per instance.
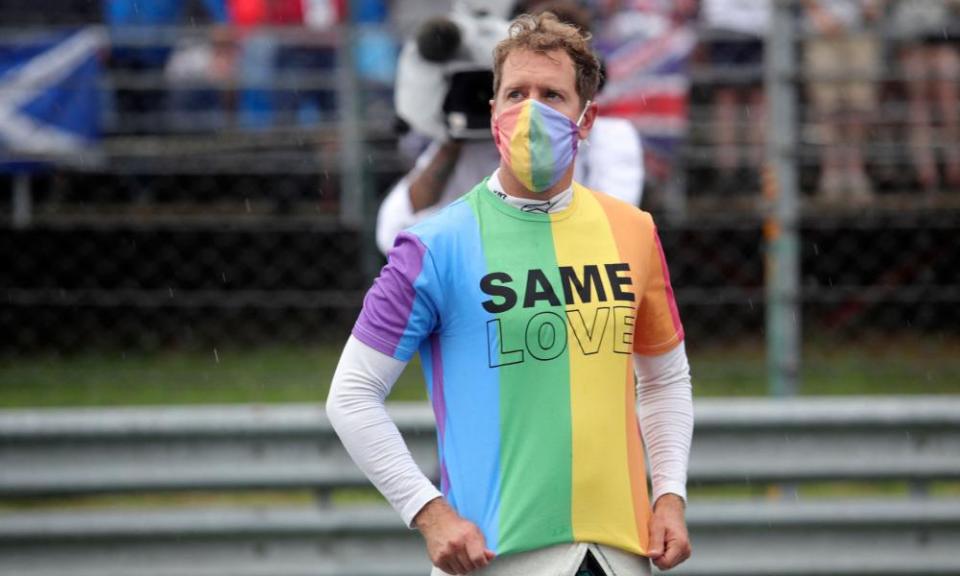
(302, 373)
(268, 374)
(902, 365)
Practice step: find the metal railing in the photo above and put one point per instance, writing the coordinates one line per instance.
(758, 446)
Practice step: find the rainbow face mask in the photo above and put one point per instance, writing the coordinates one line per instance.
(537, 142)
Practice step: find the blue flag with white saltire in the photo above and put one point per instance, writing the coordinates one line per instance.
(49, 103)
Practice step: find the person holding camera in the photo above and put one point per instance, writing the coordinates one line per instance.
(462, 154)
(534, 302)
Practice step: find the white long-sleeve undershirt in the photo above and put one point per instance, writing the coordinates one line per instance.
(365, 376)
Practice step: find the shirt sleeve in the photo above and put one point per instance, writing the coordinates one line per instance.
(356, 409)
(658, 326)
(402, 307)
(665, 415)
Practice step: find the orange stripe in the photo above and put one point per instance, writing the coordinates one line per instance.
(625, 234)
(635, 457)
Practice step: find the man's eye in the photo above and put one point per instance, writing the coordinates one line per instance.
(554, 96)
(514, 94)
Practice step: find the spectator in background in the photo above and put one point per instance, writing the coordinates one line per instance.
(260, 50)
(201, 74)
(840, 59)
(736, 53)
(931, 63)
(140, 47)
(611, 160)
(647, 45)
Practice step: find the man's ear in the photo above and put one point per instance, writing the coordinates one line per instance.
(589, 115)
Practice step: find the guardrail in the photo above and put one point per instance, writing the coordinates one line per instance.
(46, 453)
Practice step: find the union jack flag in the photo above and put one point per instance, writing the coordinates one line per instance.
(646, 51)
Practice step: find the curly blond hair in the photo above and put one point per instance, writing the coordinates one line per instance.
(544, 33)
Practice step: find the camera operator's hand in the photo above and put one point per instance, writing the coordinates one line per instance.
(426, 187)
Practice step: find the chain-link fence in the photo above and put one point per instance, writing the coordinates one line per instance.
(238, 210)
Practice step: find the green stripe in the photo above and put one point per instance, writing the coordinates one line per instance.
(540, 147)
(535, 434)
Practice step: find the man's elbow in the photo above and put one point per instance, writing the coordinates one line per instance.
(333, 407)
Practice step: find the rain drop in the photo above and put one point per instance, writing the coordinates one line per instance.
(170, 290)
(216, 356)
(246, 203)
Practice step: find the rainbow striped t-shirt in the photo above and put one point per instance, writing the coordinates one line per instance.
(526, 324)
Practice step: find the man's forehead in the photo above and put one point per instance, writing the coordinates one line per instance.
(553, 63)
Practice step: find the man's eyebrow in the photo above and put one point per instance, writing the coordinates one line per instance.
(545, 86)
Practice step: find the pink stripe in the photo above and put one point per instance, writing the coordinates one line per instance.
(671, 301)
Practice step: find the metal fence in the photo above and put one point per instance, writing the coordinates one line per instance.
(198, 225)
(869, 445)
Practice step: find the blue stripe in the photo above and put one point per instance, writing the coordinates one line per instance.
(471, 448)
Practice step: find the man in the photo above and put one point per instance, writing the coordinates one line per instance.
(841, 58)
(611, 160)
(531, 301)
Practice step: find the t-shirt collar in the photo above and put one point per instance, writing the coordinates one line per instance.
(555, 204)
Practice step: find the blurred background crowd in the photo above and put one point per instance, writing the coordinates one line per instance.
(195, 175)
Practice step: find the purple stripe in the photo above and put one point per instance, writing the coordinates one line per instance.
(389, 302)
(559, 127)
(439, 406)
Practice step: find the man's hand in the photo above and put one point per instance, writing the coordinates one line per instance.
(669, 541)
(455, 545)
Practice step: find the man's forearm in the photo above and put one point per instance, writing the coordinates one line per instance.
(665, 412)
(356, 409)
(427, 187)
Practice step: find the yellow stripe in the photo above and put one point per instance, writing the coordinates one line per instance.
(520, 148)
(603, 509)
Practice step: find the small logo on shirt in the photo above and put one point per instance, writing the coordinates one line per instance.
(538, 207)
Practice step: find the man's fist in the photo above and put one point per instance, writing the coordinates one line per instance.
(455, 545)
(669, 541)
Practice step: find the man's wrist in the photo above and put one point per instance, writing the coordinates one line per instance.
(670, 500)
(427, 516)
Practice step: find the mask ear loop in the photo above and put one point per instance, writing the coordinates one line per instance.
(580, 119)
(584, 113)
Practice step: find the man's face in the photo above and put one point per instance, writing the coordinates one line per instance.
(549, 78)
